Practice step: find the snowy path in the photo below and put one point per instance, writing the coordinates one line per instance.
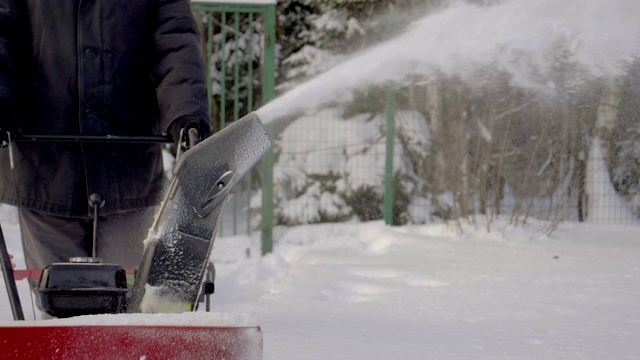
(409, 293)
(366, 291)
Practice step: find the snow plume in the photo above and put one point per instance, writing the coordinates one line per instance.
(524, 38)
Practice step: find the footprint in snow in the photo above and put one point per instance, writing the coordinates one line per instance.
(423, 281)
(353, 292)
(375, 246)
(376, 273)
(393, 274)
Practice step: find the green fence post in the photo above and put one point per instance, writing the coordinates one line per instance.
(250, 109)
(268, 93)
(388, 166)
(223, 73)
(391, 135)
(236, 99)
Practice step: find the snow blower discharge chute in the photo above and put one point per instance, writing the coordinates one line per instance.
(170, 278)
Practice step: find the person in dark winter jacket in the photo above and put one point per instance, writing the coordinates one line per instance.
(93, 67)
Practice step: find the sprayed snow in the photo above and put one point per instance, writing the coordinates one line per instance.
(158, 299)
(151, 238)
(524, 38)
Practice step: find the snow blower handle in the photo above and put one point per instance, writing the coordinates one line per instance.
(189, 137)
(193, 137)
(85, 138)
(9, 280)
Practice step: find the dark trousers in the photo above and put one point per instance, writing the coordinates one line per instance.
(49, 238)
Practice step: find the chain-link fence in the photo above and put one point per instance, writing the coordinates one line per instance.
(457, 153)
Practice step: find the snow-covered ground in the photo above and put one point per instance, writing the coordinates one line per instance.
(368, 291)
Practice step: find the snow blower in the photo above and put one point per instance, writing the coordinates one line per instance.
(169, 281)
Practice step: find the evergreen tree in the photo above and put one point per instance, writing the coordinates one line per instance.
(317, 34)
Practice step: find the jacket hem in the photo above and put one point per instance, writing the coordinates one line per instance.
(55, 209)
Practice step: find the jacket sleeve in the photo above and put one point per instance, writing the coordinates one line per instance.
(9, 30)
(178, 72)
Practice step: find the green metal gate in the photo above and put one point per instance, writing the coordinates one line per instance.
(239, 42)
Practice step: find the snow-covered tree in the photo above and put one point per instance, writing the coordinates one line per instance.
(317, 34)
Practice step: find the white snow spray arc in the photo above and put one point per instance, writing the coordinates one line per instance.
(523, 38)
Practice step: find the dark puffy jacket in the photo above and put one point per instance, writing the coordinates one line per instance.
(120, 67)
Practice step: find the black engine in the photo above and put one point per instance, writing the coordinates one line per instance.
(82, 286)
